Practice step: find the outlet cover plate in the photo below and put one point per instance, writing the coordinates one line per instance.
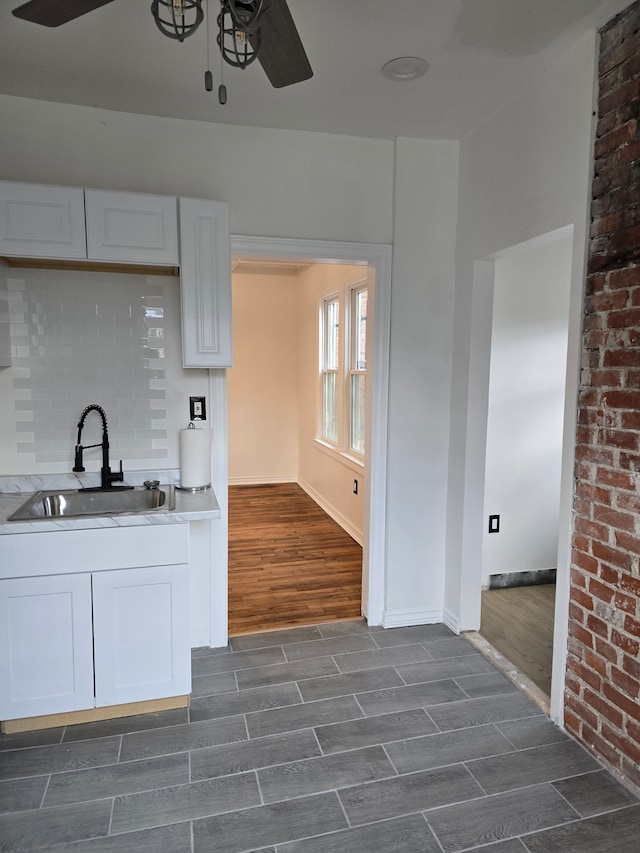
(197, 409)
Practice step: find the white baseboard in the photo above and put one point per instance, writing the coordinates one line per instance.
(331, 511)
(405, 618)
(261, 481)
(451, 620)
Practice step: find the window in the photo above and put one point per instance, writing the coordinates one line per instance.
(343, 364)
(330, 364)
(357, 368)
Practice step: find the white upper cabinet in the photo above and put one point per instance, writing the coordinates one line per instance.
(5, 337)
(131, 227)
(42, 221)
(205, 283)
(70, 224)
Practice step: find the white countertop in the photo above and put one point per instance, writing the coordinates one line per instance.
(14, 491)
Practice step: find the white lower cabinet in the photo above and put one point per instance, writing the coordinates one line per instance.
(141, 634)
(46, 652)
(74, 639)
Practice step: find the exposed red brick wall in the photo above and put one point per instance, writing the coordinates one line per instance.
(602, 700)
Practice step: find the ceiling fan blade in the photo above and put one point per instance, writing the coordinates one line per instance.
(281, 54)
(53, 13)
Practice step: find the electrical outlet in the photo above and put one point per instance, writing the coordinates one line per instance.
(197, 409)
(494, 524)
(355, 487)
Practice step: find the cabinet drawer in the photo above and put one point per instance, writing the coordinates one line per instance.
(94, 550)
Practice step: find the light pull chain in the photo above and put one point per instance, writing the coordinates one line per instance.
(222, 89)
(208, 76)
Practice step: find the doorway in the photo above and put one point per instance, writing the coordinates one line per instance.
(473, 521)
(377, 258)
(297, 445)
(524, 452)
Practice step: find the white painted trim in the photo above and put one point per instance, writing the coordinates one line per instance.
(262, 481)
(405, 618)
(346, 459)
(331, 511)
(451, 620)
(477, 406)
(476, 446)
(377, 256)
(219, 526)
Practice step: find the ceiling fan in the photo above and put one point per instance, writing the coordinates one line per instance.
(247, 30)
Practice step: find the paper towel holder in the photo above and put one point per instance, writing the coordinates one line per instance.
(193, 489)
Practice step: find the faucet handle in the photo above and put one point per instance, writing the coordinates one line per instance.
(77, 462)
(152, 484)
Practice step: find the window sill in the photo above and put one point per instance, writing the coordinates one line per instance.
(350, 459)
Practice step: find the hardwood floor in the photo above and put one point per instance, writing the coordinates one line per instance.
(289, 562)
(519, 623)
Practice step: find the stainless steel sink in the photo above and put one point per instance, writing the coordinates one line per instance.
(74, 503)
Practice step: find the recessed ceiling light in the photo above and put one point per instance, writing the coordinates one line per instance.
(405, 68)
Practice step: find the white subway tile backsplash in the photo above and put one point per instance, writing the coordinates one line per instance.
(88, 337)
(78, 338)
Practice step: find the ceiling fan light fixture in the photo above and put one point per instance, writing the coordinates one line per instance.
(405, 68)
(177, 19)
(239, 36)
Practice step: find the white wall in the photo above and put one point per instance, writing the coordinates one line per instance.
(525, 172)
(278, 183)
(420, 375)
(263, 382)
(526, 408)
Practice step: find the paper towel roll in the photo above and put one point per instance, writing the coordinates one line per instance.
(195, 458)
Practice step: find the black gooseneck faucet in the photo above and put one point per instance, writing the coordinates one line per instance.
(107, 477)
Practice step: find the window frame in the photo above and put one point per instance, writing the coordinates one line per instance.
(326, 370)
(346, 297)
(352, 369)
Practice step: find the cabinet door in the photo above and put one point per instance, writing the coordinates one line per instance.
(141, 634)
(205, 283)
(5, 339)
(131, 227)
(42, 221)
(46, 652)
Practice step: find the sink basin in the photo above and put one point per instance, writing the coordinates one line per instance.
(74, 503)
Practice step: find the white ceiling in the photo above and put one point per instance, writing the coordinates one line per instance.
(480, 52)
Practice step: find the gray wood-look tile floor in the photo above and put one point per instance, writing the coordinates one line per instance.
(335, 738)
